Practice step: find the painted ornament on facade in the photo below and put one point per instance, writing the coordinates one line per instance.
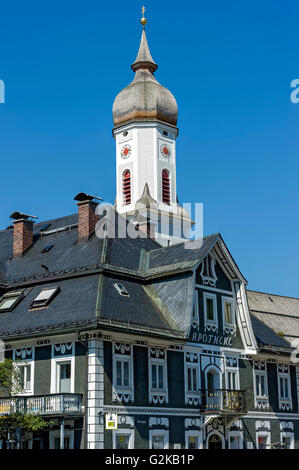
(126, 151)
(165, 151)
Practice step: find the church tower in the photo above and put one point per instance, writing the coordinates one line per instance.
(145, 131)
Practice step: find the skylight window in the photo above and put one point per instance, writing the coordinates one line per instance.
(9, 301)
(47, 248)
(44, 297)
(121, 289)
(44, 227)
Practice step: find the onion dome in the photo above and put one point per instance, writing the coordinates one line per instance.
(144, 98)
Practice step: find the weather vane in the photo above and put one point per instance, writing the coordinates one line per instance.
(143, 20)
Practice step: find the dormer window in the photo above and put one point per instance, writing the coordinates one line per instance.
(208, 273)
(9, 301)
(44, 297)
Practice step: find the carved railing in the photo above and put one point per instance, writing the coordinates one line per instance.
(223, 400)
(56, 404)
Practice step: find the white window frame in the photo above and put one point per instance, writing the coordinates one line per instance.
(284, 403)
(266, 434)
(120, 389)
(238, 434)
(190, 365)
(197, 434)
(288, 434)
(231, 325)
(26, 362)
(234, 370)
(129, 432)
(159, 432)
(210, 323)
(157, 363)
(57, 360)
(262, 399)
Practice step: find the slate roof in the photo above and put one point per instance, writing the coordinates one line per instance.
(279, 313)
(75, 303)
(265, 336)
(86, 273)
(80, 271)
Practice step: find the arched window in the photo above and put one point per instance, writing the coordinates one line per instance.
(165, 187)
(127, 187)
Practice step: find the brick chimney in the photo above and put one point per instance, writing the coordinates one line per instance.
(87, 217)
(22, 233)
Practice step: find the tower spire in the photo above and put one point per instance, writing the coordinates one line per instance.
(144, 58)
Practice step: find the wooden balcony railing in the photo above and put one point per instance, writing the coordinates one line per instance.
(223, 400)
(56, 404)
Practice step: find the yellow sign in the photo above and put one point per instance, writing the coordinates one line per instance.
(111, 421)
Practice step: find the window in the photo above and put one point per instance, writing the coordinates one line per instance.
(25, 376)
(45, 297)
(123, 373)
(127, 187)
(158, 376)
(232, 380)
(192, 385)
(47, 248)
(158, 439)
(123, 439)
(64, 377)
(235, 440)
(287, 440)
(284, 386)
(123, 379)
(210, 311)
(260, 384)
(228, 315)
(263, 440)
(165, 187)
(121, 289)
(9, 301)
(193, 440)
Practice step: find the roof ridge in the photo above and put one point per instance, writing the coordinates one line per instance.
(275, 295)
(182, 243)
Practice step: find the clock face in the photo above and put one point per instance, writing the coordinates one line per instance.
(125, 151)
(165, 151)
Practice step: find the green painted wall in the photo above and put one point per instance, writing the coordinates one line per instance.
(42, 370)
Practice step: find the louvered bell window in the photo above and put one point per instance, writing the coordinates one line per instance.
(165, 187)
(127, 187)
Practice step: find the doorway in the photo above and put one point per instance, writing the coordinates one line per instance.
(215, 442)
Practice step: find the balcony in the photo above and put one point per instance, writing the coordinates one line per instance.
(222, 401)
(60, 404)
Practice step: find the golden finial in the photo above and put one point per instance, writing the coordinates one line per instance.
(143, 20)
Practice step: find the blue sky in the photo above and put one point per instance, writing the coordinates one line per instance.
(229, 65)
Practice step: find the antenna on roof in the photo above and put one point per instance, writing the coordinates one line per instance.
(18, 215)
(86, 197)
